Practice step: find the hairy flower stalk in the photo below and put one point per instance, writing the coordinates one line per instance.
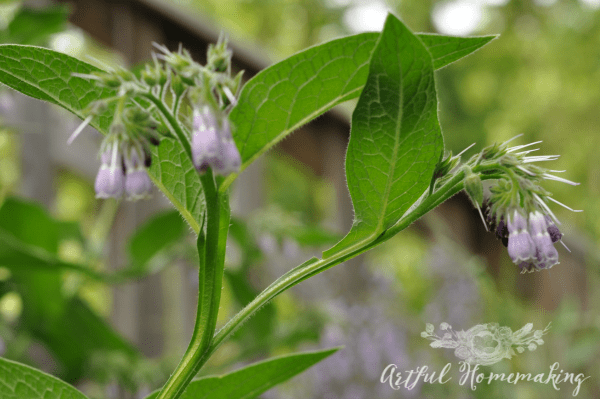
(517, 209)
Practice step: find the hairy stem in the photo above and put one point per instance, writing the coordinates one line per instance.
(211, 253)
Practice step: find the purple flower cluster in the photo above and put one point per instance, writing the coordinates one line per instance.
(530, 240)
(123, 170)
(213, 145)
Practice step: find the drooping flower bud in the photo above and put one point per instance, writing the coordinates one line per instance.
(109, 181)
(554, 232)
(137, 182)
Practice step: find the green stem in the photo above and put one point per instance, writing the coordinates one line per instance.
(211, 251)
(172, 121)
(177, 103)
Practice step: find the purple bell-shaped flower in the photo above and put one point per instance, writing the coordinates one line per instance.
(546, 255)
(213, 146)
(109, 181)
(206, 143)
(521, 247)
(137, 181)
(229, 159)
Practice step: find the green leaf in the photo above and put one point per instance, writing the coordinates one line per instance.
(159, 232)
(46, 75)
(251, 381)
(32, 26)
(29, 240)
(29, 237)
(18, 381)
(395, 141)
(174, 174)
(446, 49)
(285, 96)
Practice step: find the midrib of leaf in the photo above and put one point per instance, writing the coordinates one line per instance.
(388, 187)
(381, 202)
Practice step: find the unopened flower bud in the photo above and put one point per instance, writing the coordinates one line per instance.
(147, 158)
(554, 232)
(110, 80)
(149, 76)
(474, 188)
(177, 85)
(162, 77)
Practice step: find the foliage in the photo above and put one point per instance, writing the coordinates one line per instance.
(395, 167)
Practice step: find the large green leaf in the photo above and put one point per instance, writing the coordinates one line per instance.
(287, 95)
(18, 381)
(395, 141)
(47, 75)
(251, 381)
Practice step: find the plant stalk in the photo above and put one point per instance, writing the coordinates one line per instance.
(211, 253)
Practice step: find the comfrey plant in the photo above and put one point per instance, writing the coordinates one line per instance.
(190, 129)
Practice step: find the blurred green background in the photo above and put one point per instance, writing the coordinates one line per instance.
(540, 78)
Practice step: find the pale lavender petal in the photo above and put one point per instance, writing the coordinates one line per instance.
(516, 222)
(521, 247)
(206, 144)
(137, 184)
(109, 182)
(229, 160)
